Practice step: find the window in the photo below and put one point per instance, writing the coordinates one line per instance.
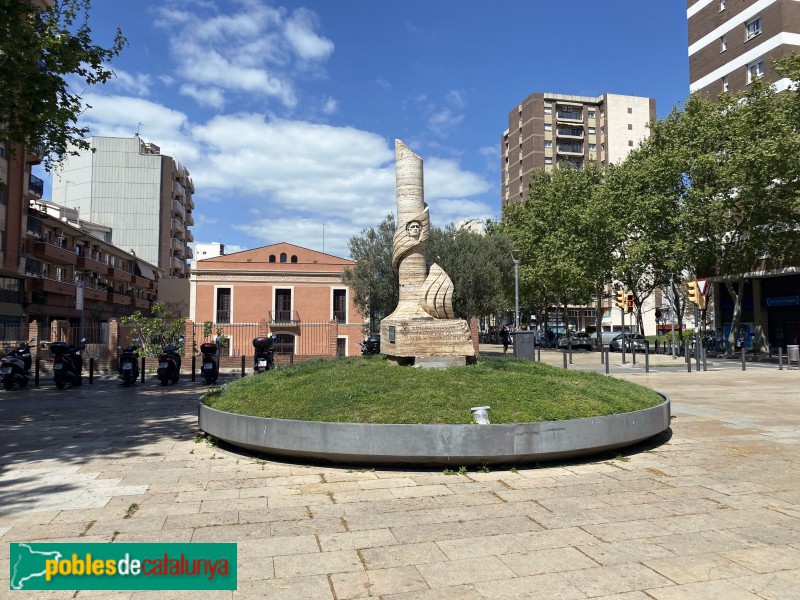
(2, 195)
(548, 111)
(722, 4)
(630, 143)
(591, 114)
(341, 346)
(592, 131)
(755, 70)
(283, 306)
(592, 147)
(548, 127)
(725, 86)
(548, 160)
(723, 42)
(283, 257)
(548, 143)
(294, 258)
(271, 258)
(223, 305)
(340, 306)
(630, 110)
(630, 127)
(753, 28)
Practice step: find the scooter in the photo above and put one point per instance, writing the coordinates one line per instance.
(129, 365)
(67, 364)
(169, 364)
(370, 346)
(263, 358)
(210, 366)
(16, 365)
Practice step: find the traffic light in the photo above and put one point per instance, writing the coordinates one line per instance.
(691, 292)
(629, 302)
(620, 297)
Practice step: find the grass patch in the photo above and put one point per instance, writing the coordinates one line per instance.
(372, 390)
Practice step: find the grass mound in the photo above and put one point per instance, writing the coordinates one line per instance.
(372, 390)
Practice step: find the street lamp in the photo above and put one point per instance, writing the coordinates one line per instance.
(516, 287)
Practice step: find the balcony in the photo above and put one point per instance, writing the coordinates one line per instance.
(140, 302)
(84, 263)
(189, 201)
(118, 298)
(188, 252)
(177, 244)
(189, 236)
(569, 115)
(35, 186)
(64, 287)
(35, 155)
(178, 209)
(178, 225)
(91, 292)
(54, 253)
(570, 132)
(570, 149)
(189, 218)
(178, 189)
(284, 317)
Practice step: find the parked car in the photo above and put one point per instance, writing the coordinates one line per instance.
(633, 341)
(579, 341)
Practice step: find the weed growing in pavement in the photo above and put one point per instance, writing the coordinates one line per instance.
(131, 511)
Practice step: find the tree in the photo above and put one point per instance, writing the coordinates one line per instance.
(479, 265)
(39, 49)
(154, 332)
(374, 283)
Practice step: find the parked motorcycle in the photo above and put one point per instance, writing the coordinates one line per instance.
(209, 369)
(169, 364)
(67, 364)
(129, 365)
(371, 346)
(263, 358)
(15, 366)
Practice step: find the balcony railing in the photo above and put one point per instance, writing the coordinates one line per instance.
(570, 149)
(189, 218)
(340, 316)
(177, 225)
(178, 189)
(283, 317)
(36, 185)
(223, 316)
(571, 132)
(569, 115)
(178, 209)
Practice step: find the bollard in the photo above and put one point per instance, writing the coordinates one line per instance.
(606, 353)
(780, 358)
(633, 352)
(91, 370)
(564, 353)
(291, 359)
(705, 358)
(539, 353)
(744, 368)
(36, 373)
(143, 369)
(194, 366)
(242, 365)
(570, 352)
(647, 357)
(688, 361)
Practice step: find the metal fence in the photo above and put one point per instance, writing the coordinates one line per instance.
(301, 339)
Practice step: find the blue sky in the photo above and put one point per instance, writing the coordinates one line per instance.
(286, 113)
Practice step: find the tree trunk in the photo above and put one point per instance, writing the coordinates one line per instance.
(737, 313)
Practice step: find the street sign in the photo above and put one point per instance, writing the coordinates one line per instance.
(703, 287)
(79, 295)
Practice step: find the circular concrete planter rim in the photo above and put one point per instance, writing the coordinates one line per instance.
(377, 443)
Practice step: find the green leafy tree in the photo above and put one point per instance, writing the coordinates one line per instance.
(154, 332)
(375, 285)
(39, 51)
(480, 267)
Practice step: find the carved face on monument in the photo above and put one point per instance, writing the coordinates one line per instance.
(414, 228)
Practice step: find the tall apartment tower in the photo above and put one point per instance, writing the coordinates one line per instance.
(143, 195)
(733, 41)
(547, 129)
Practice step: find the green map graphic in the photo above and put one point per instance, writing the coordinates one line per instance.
(27, 564)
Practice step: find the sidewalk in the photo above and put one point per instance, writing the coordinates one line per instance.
(709, 510)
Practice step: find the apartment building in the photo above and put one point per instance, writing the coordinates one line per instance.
(547, 129)
(74, 271)
(733, 41)
(296, 293)
(143, 195)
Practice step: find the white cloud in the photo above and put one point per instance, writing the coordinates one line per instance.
(209, 96)
(456, 98)
(444, 119)
(132, 83)
(330, 106)
(299, 31)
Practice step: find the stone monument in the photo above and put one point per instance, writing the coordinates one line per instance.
(422, 325)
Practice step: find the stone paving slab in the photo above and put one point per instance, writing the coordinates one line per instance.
(709, 510)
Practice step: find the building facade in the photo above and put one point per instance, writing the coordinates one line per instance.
(730, 43)
(547, 129)
(293, 292)
(146, 197)
(733, 41)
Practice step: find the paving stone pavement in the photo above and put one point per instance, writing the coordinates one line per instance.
(708, 510)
